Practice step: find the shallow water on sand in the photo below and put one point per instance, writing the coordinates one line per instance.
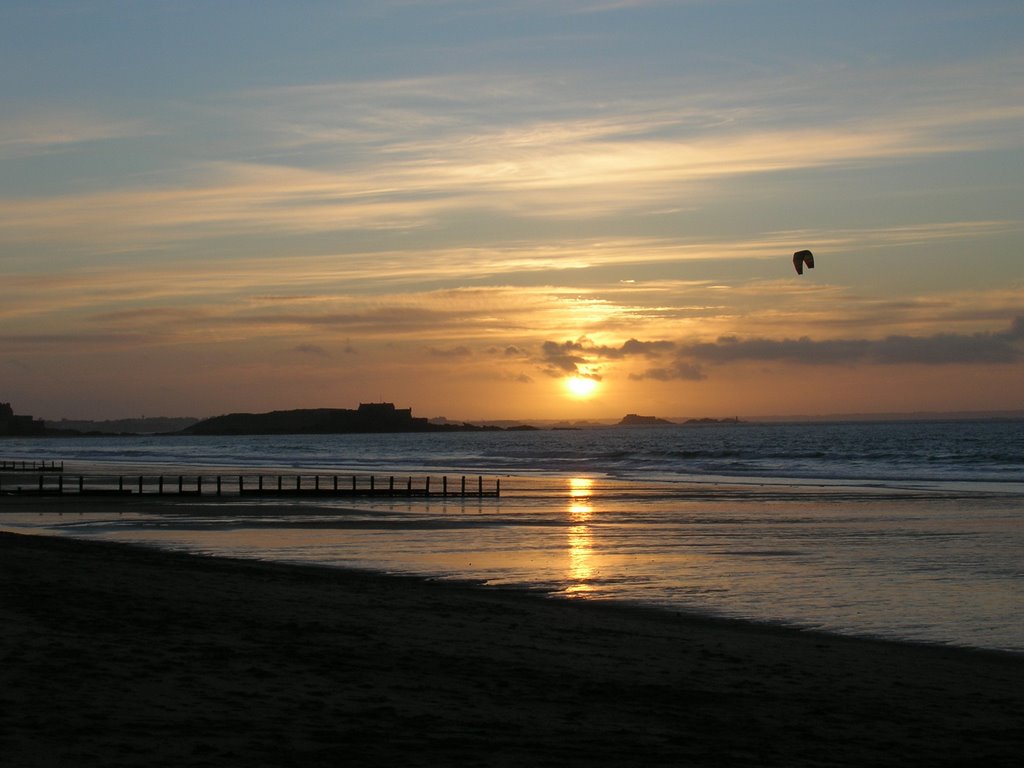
(909, 530)
(935, 567)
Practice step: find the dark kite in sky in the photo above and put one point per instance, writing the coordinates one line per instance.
(803, 257)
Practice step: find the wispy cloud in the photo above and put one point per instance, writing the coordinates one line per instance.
(52, 130)
(460, 351)
(415, 154)
(569, 293)
(313, 350)
(942, 349)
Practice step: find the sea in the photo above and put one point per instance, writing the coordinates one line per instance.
(904, 530)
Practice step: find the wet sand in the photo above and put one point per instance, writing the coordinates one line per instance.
(115, 655)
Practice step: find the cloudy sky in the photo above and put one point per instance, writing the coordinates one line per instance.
(467, 206)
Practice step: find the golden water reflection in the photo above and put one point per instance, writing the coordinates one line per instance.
(580, 487)
(580, 511)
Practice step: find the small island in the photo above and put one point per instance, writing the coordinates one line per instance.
(367, 418)
(634, 420)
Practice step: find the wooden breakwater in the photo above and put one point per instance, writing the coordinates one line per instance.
(31, 466)
(245, 486)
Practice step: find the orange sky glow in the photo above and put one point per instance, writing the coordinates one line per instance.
(465, 210)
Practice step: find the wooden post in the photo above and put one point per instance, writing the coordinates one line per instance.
(181, 482)
(260, 482)
(391, 485)
(426, 487)
(241, 487)
(279, 482)
(140, 485)
(160, 485)
(335, 482)
(40, 483)
(199, 485)
(353, 483)
(218, 485)
(480, 485)
(444, 485)
(371, 483)
(120, 483)
(60, 485)
(497, 487)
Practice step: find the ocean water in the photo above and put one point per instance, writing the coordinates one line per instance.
(905, 530)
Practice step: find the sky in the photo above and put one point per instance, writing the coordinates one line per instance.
(522, 209)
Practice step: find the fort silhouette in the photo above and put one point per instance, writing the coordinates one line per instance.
(12, 424)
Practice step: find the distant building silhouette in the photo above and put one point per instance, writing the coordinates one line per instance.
(386, 413)
(14, 425)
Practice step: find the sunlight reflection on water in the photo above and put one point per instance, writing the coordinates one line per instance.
(931, 569)
(580, 544)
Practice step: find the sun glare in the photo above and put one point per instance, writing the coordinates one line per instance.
(580, 386)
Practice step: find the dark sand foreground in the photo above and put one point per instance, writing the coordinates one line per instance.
(120, 656)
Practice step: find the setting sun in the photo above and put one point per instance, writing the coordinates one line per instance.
(581, 386)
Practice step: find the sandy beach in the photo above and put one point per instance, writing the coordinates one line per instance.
(114, 655)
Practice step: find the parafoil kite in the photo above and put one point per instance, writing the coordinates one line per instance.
(803, 257)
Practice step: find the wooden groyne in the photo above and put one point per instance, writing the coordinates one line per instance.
(31, 466)
(246, 486)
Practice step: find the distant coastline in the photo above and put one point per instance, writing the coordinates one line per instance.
(385, 417)
(143, 425)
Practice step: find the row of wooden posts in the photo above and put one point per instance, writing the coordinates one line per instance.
(31, 466)
(246, 485)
